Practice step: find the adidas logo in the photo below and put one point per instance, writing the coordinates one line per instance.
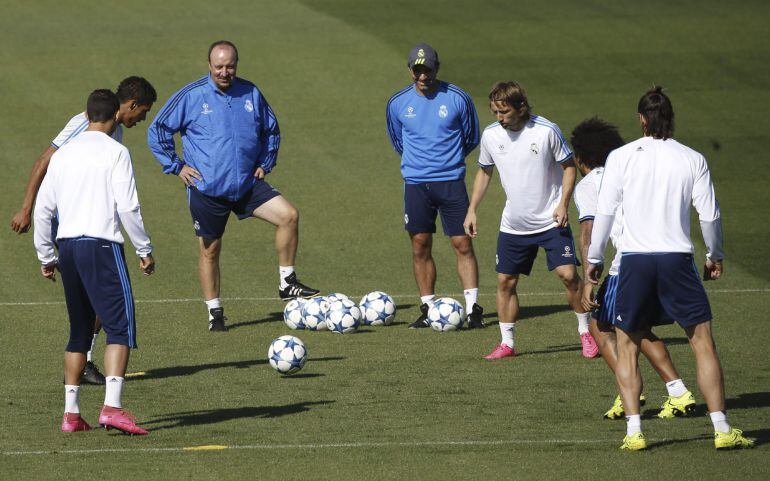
(619, 319)
(639, 149)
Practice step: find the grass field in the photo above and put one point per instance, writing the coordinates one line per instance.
(386, 403)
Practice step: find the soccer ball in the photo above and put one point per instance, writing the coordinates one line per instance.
(344, 316)
(314, 313)
(335, 296)
(287, 354)
(292, 314)
(377, 309)
(446, 314)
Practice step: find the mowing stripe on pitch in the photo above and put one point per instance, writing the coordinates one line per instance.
(397, 296)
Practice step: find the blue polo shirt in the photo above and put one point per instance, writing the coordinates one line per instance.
(432, 134)
(226, 136)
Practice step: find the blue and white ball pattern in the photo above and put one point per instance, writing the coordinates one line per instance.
(377, 309)
(314, 313)
(292, 314)
(344, 316)
(287, 354)
(446, 314)
(335, 296)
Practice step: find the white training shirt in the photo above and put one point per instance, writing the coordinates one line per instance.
(78, 124)
(530, 171)
(586, 197)
(90, 182)
(654, 181)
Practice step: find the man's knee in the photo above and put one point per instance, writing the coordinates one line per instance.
(463, 245)
(210, 248)
(506, 284)
(568, 275)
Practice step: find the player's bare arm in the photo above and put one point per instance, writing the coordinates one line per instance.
(587, 299)
(561, 213)
(23, 218)
(480, 185)
(189, 175)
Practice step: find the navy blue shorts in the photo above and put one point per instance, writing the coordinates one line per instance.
(210, 214)
(422, 202)
(656, 289)
(606, 299)
(96, 283)
(516, 253)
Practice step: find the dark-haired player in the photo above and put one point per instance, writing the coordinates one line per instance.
(652, 181)
(90, 185)
(593, 140)
(136, 96)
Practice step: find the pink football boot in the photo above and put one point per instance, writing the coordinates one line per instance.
(590, 349)
(72, 423)
(500, 352)
(119, 419)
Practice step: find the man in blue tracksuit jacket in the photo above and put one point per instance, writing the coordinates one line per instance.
(433, 126)
(230, 140)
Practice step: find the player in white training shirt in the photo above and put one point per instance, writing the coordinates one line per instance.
(653, 180)
(136, 96)
(538, 175)
(593, 140)
(90, 184)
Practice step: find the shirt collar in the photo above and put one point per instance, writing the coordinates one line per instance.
(214, 87)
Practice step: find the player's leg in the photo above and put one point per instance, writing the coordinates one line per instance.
(452, 199)
(420, 222)
(81, 319)
(109, 284)
(680, 401)
(264, 202)
(515, 256)
(629, 381)
(560, 252)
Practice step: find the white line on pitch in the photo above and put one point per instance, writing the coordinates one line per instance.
(397, 296)
(317, 446)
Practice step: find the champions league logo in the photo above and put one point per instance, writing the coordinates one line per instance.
(567, 251)
(410, 112)
(206, 110)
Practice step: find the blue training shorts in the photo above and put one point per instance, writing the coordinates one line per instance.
(657, 289)
(210, 214)
(516, 253)
(96, 283)
(422, 203)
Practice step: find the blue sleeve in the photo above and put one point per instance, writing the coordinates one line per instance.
(394, 126)
(470, 123)
(269, 135)
(160, 134)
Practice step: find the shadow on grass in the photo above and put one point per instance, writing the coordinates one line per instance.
(675, 341)
(761, 436)
(671, 442)
(404, 306)
(749, 400)
(272, 317)
(213, 416)
(530, 312)
(553, 349)
(178, 371)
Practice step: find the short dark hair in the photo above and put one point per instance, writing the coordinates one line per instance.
(219, 43)
(658, 113)
(102, 105)
(137, 89)
(593, 139)
(511, 93)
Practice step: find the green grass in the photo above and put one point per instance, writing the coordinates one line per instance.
(386, 403)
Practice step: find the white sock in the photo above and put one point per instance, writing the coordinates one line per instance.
(213, 304)
(427, 299)
(93, 344)
(676, 388)
(719, 420)
(113, 392)
(283, 273)
(583, 320)
(507, 330)
(633, 424)
(471, 296)
(71, 398)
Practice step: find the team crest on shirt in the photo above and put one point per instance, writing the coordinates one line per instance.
(501, 148)
(248, 106)
(567, 251)
(410, 112)
(533, 148)
(443, 111)
(206, 110)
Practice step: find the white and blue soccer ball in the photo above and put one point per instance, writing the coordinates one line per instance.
(287, 354)
(292, 314)
(344, 316)
(377, 309)
(335, 296)
(314, 312)
(446, 314)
